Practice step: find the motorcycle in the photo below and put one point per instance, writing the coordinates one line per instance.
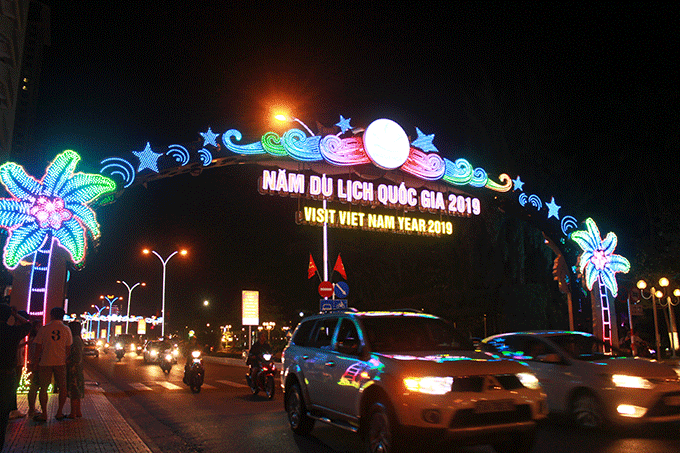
(120, 351)
(166, 361)
(194, 373)
(265, 376)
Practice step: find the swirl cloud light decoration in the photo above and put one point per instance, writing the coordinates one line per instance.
(345, 148)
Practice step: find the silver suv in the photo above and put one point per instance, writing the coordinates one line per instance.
(387, 375)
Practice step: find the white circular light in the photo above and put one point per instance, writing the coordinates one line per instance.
(386, 144)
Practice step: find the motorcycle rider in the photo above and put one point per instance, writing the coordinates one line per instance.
(190, 347)
(258, 348)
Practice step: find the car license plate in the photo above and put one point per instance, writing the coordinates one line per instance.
(672, 400)
(486, 406)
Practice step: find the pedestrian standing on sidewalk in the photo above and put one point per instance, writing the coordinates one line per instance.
(10, 336)
(74, 371)
(14, 411)
(53, 344)
(32, 366)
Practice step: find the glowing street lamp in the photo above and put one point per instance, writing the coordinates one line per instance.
(286, 118)
(99, 311)
(164, 262)
(110, 300)
(269, 326)
(659, 294)
(127, 321)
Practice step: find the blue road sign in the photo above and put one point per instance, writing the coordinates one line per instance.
(332, 304)
(341, 290)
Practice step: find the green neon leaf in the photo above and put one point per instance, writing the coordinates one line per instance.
(609, 280)
(60, 171)
(84, 188)
(591, 275)
(13, 213)
(619, 264)
(71, 236)
(22, 242)
(17, 182)
(87, 217)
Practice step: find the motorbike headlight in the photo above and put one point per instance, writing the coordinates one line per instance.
(529, 381)
(168, 357)
(175, 352)
(267, 357)
(631, 382)
(153, 353)
(432, 385)
(119, 346)
(195, 354)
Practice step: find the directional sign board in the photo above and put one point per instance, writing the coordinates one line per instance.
(332, 304)
(341, 290)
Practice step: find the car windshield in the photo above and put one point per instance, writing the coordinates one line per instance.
(412, 334)
(585, 347)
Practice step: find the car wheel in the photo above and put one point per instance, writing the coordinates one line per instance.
(381, 433)
(520, 443)
(586, 411)
(298, 419)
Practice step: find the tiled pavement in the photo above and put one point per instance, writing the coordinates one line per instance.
(101, 429)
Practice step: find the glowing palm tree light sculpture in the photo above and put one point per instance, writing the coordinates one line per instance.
(164, 262)
(53, 210)
(598, 263)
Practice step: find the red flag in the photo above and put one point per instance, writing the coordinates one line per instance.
(340, 268)
(312, 268)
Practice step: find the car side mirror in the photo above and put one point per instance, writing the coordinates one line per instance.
(349, 346)
(549, 358)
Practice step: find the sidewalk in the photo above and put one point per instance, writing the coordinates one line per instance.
(101, 430)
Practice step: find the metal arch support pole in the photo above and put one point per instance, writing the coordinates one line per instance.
(656, 327)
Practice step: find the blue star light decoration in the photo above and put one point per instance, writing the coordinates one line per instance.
(424, 142)
(518, 184)
(598, 261)
(147, 159)
(553, 209)
(343, 124)
(209, 138)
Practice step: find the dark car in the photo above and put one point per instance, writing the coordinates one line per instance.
(90, 348)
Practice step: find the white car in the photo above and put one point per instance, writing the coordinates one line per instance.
(589, 385)
(387, 375)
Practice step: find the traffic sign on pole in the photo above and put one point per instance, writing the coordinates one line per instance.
(326, 289)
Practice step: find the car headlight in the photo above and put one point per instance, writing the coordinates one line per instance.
(195, 354)
(529, 381)
(432, 385)
(631, 382)
(267, 357)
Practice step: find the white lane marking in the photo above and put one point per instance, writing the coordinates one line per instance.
(168, 385)
(233, 384)
(139, 386)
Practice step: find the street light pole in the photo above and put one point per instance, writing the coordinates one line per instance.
(99, 311)
(110, 301)
(641, 285)
(164, 262)
(127, 321)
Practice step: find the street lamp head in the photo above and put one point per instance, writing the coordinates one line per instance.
(143, 284)
(676, 292)
(641, 284)
(663, 282)
(658, 294)
(146, 251)
(206, 303)
(183, 252)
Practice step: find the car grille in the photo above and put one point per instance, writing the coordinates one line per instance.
(468, 417)
(661, 409)
(476, 383)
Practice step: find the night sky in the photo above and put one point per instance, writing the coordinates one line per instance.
(579, 100)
